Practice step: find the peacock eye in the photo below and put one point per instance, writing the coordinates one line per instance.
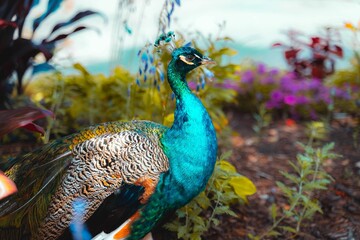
(190, 58)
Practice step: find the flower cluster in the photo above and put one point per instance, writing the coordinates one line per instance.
(301, 97)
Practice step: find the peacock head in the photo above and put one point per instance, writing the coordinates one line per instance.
(186, 59)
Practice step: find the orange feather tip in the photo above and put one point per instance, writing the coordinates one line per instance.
(125, 229)
(7, 186)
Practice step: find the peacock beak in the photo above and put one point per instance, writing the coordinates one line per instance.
(207, 61)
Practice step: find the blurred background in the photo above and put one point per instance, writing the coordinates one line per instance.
(253, 25)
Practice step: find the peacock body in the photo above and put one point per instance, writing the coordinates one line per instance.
(168, 166)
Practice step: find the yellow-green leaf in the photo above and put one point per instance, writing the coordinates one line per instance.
(81, 68)
(242, 186)
(226, 166)
(169, 119)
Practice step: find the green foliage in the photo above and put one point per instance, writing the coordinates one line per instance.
(349, 81)
(316, 130)
(18, 52)
(84, 99)
(225, 187)
(308, 178)
(262, 119)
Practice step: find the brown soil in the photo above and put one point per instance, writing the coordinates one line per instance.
(260, 159)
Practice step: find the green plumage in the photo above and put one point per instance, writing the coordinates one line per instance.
(106, 158)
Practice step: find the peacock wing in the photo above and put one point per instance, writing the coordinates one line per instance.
(101, 166)
(74, 166)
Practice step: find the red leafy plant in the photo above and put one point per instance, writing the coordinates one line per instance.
(22, 118)
(17, 52)
(323, 52)
(11, 120)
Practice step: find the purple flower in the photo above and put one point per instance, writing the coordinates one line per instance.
(192, 85)
(261, 68)
(267, 80)
(323, 96)
(302, 100)
(313, 115)
(340, 93)
(277, 96)
(247, 77)
(313, 84)
(229, 84)
(270, 105)
(290, 100)
(273, 72)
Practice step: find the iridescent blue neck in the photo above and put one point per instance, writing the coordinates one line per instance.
(177, 81)
(190, 143)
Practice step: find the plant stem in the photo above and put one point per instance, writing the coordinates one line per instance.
(302, 214)
(292, 207)
(216, 205)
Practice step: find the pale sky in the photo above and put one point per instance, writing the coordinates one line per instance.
(256, 23)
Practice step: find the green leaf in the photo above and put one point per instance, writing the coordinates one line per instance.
(273, 210)
(226, 155)
(252, 237)
(286, 190)
(291, 177)
(273, 233)
(319, 184)
(182, 231)
(195, 236)
(215, 221)
(296, 168)
(81, 68)
(171, 226)
(288, 213)
(203, 201)
(288, 229)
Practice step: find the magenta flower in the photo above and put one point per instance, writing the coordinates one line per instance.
(192, 85)
(290, 100)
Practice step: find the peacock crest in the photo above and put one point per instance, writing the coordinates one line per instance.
(153, 59)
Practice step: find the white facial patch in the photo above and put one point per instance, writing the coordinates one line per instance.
(183, 58)
(197, 56)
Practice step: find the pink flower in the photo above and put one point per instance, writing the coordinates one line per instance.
(290, 100)
(192, 85)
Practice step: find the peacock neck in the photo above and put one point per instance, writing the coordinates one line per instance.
(177, 82)
(190, 144)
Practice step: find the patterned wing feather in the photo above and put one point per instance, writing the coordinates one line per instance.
(91, 164)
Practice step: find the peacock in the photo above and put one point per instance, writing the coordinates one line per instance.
(142, 164)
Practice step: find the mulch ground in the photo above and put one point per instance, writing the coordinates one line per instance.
(260, 159)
